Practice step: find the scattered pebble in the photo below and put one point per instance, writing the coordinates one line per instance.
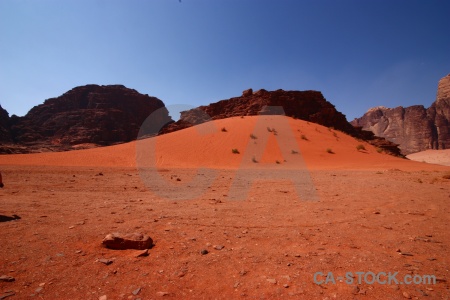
(406, 295)
(143, 253)
(272, 280)
(7, 278)
(104, 297)
(219, 247)
(136, 291)
(105, 261)
(162, 294)
(7, 294)
(204, 252)
(285, 285)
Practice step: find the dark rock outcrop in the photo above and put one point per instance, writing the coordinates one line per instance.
(306, 105)
(414, 128)
(85, 116)
(5, 127)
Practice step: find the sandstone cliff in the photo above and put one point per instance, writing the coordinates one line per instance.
(414, 128)
(85, 116)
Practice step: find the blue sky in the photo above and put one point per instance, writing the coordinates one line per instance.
(358, 53)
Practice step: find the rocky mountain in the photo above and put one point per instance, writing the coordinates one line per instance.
(414, 128)
(306, 105)
(86, 116)
(93, 115)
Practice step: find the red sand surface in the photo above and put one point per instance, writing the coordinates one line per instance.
(373, 213)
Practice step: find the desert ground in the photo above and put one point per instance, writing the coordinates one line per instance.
(297, 199)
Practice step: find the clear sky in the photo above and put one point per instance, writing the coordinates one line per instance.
(358, 53)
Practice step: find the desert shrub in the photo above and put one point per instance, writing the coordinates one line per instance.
(303, 137)
(330, 151)
(360, 147)
(254, 159)
(224, 129)
(294, 152)
(446, 176)
(269, 129)
(379, 150)
(235, 151)
(253, 136)
(277, 162)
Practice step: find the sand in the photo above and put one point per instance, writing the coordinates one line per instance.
(439, 157)
(366, 212)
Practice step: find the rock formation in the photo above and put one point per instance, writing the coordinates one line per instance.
(413, 128)
(5, 130)
(85, 116)
(306, 105)
(92, 115)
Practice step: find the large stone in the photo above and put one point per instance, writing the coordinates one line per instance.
(414, 128)
(120, 241)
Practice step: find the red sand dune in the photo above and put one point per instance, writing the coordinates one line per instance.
(207, 145)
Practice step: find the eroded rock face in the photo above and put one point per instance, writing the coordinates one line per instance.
(305, 105)
(92, 115)
(414, 128)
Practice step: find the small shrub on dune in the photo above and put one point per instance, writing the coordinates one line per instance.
(294, 152)
(252, 136)
(254, 159)
(446, 176)
(277, 162)
(224, 129)
(235, 151)
(360, 147)
(269, 129)
(379, 150)
(330, 151)
(303, 137)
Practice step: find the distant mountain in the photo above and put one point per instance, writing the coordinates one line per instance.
(86, 116)
(306, 105)
(93, 115)
(414, 128)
